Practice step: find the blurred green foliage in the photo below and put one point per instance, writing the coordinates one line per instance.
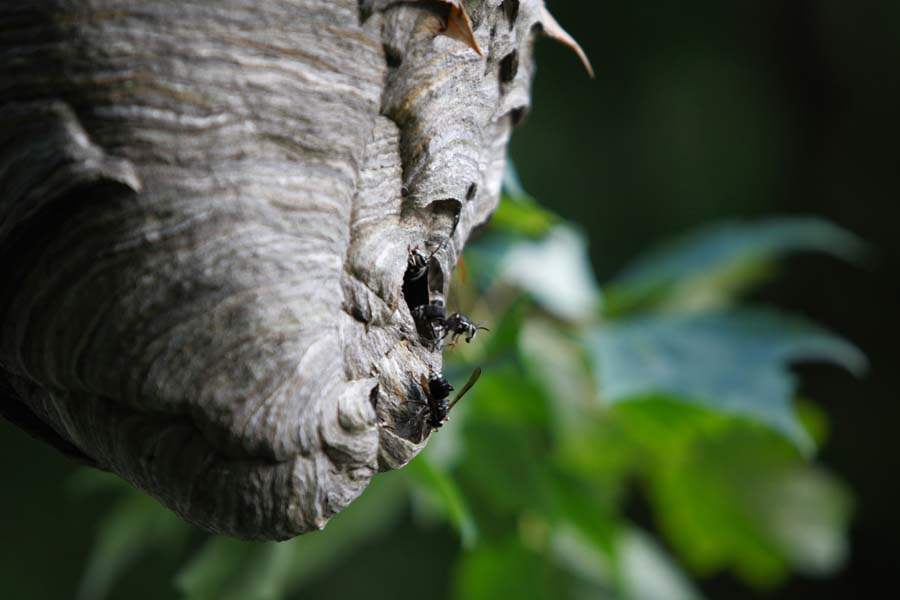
(664, 392)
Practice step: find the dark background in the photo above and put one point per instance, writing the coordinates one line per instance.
(700, 111)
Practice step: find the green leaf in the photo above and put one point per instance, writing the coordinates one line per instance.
(712, 265)
(647, 572)
(223, 565)
(558, 362)
(504, 467)
(589, 505)
(228, 569)
(443, 490)
(601, 453)
(735, 362)
(746, 501)
(576, 553)
(524, 217)
(135, 526)
(555, 271)
(806, 512)
(814, 420)
(507, 394)
(664, 426)
(506, 570)
(637, 569)
(503, 341)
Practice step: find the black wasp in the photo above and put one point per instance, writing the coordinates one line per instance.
(459, 324)
(437, 390)
(433, 318)
(429, 310)
(419, 263)
(423, 290)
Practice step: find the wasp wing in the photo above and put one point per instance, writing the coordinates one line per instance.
(472, 379)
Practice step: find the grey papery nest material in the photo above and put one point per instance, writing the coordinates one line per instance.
(205, 216)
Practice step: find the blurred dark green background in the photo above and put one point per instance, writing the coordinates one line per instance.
(710, 109)
(700, 111)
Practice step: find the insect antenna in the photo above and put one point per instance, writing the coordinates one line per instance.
(472, 379)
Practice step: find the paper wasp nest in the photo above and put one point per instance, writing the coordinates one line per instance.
(206, 210)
